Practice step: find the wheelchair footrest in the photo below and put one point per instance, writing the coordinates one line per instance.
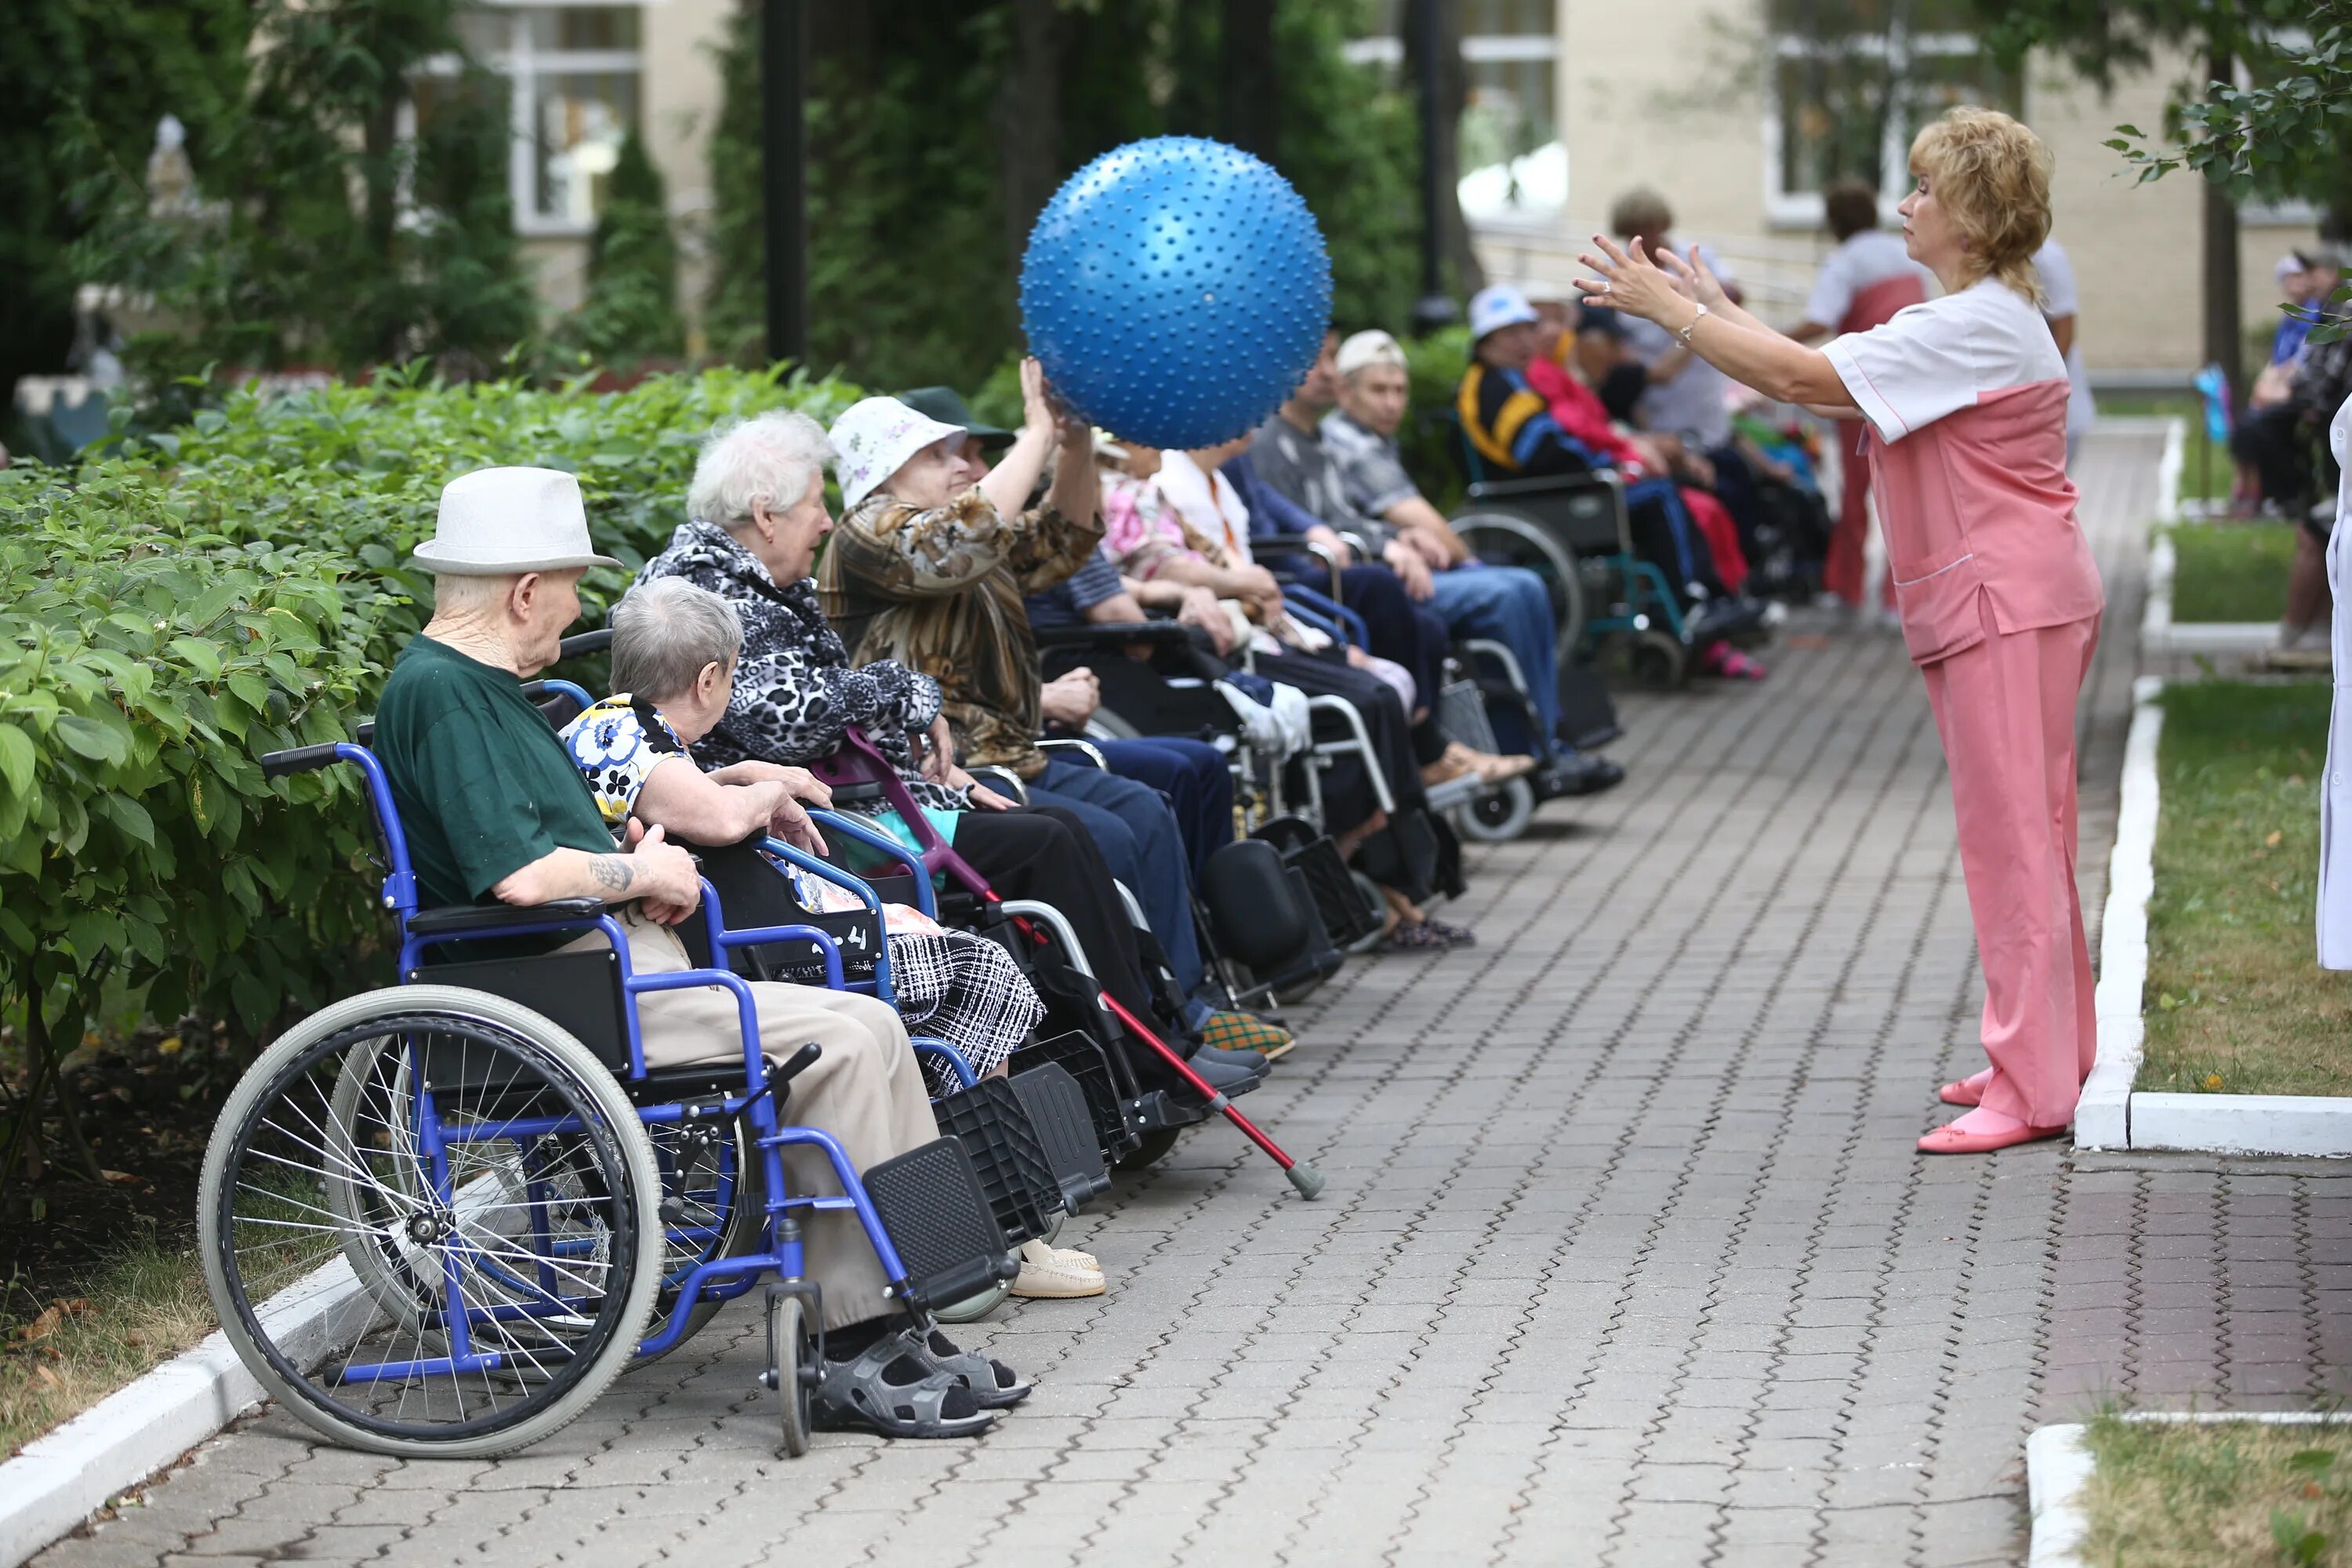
(1016, 1176)
(1065, 1129)
(1086, 1061)
(930, 1202)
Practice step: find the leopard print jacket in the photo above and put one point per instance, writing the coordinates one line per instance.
(795, 693)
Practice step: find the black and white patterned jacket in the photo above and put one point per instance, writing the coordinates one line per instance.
(795, 693)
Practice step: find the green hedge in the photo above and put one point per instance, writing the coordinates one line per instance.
(171, 608)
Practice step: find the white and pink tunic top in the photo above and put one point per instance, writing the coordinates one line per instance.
(1966, 396)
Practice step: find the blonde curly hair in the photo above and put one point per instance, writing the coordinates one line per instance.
(1992, 175)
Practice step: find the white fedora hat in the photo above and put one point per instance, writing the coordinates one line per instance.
(499, 523)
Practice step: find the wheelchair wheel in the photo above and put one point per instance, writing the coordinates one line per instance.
(1498, 816)
(1506, 539)
(1656, 661)
(1152, 1148)
(452, 1270)
(792, 1367)
(972, 1309)
(713, 1205)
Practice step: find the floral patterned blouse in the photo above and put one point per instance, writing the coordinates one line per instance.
(617, 744)
(939, 590)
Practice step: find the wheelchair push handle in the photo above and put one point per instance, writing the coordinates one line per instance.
(297, 758)
(598, 641)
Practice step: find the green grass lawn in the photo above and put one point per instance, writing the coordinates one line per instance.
(2236, 1002)
(2204, 469)
(2230, 571)
(2176, 1494)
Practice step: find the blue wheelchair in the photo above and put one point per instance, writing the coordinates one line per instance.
(439, 1218)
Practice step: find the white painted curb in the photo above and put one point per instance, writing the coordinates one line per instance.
(64, 1475)
(2057, 1468)
(2168, 470)
(2111, 1114)
(2155, 615)
(2058, 1465)
(2103, 1115)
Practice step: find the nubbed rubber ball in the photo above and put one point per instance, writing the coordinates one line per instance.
(1176, 291)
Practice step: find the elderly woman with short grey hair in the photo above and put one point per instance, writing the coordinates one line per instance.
(756, 516)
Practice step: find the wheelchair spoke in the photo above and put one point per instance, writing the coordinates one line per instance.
(488, 1219)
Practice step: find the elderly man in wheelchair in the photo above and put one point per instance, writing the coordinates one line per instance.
(565, 1139)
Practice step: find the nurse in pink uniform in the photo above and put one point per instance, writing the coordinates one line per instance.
(1965, 397)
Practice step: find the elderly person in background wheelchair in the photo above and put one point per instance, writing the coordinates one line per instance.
(1500, 604)
(674, 648)
(494, 812)
(756, 517)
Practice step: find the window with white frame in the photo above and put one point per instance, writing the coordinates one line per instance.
(575, 73)
(1509, 135)
(1849, 82)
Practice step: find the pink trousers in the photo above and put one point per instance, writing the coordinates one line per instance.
(2005, 709)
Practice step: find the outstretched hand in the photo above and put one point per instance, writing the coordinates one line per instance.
(1632, 282)
(1695, 279)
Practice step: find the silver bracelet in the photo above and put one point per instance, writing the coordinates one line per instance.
(1685, 333)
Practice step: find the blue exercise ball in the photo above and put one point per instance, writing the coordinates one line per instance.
(1176, 291)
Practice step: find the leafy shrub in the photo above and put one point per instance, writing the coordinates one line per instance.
(171, 609)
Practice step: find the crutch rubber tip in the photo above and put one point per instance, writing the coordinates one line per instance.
(1308, 1180)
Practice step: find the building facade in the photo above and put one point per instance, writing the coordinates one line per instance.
(1738, 111)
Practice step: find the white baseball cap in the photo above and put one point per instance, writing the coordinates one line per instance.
(499, 523)
(2290, 265)
(1496, 306)
(1374, 347)
(873, 439)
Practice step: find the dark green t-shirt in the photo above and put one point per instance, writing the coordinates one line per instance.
(483, 784)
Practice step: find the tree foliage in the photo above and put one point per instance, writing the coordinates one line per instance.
(326, 236)
(172, 607)
(630, 311)
(917, 211)
(2286, 133)
(112, 68)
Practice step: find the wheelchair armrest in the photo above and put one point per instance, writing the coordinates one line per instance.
(1003, 781)
(1545, 484)
(1115, 634)
(456, 920)
(1283, 544)
(1080, 751)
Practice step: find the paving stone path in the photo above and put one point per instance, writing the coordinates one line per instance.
(1626, 1256)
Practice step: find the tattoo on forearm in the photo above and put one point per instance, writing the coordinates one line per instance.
(612, 872)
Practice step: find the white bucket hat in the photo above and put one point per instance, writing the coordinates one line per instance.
(1494, 308)
(873, 439)
(499, 522)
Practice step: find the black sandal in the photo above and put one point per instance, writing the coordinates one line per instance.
(994, 1385)
(893, 1387)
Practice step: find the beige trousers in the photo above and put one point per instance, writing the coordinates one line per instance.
(867, 1089)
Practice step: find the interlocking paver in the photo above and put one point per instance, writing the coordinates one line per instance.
(1626, 1257)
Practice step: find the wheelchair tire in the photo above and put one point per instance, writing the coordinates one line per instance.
(554, 1294)
(1499, 816)
(792, 1368)
(1150, 1150)
(972, 1309)
(1656, 661)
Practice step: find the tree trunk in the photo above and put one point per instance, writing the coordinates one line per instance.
(1440, 21)
(1029, 120)
(2224, 331)
(1249, 87)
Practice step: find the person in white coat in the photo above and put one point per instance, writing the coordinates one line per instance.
(2336, 792)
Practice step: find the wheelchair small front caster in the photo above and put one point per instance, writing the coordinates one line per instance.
(790, 1372)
